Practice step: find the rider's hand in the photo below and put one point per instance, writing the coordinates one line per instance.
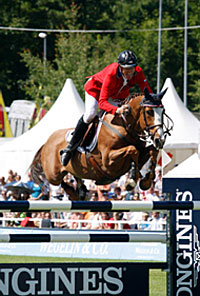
(123, 109)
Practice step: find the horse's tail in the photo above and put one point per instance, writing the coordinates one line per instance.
(36, 170)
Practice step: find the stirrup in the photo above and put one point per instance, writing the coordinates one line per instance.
(65, 150)
(65, 156)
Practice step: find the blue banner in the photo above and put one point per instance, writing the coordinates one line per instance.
(184, 231)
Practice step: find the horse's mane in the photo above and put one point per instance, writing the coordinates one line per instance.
(134, 96)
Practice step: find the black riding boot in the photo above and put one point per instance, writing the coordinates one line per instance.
(77, 137)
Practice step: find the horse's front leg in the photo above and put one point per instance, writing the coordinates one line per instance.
(73, 195)
(81, 189)
(146, 182)
(123, 160)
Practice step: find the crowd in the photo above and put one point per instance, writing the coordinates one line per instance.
(87, 220)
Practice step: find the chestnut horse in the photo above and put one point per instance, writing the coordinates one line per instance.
(125, 143)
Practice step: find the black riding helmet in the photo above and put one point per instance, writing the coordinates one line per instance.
(127, 59)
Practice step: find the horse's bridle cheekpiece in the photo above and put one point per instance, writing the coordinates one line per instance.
(154, 101)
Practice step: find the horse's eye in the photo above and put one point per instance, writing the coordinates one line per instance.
(150, 112)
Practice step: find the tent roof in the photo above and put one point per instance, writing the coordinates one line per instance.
(186, 132)
(190, 168)
(65, 112)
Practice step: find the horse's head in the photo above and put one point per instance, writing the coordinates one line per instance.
(151, 119)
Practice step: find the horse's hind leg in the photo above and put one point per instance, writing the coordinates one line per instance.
(73, 195)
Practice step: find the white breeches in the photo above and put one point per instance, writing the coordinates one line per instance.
(91, 105)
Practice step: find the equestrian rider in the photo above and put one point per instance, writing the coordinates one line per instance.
(107, 89)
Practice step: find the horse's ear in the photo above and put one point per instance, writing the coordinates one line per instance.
(146, 92)
(161, 94)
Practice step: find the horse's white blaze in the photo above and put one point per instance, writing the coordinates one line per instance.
(158, 120)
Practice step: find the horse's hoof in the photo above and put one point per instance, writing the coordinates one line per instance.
(82, 191)
(145, 184)
(130, 184)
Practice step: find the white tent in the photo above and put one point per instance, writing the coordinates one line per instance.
(190, 168)
(18, 153)
(185, 137)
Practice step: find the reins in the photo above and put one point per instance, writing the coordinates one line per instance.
(114, 130)
(148, 135)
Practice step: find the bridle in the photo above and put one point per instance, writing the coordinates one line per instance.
(148, 136)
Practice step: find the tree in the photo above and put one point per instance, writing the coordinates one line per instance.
(91, 52)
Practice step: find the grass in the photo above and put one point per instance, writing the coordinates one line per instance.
(157, 282)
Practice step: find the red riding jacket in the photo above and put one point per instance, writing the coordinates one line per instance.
(108, 83)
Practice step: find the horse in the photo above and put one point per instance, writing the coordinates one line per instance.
(125, 143)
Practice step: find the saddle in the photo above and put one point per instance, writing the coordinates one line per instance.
(91, 136)
(89, 143)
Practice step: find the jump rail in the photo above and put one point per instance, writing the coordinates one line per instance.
(97, 206)
(82, 236)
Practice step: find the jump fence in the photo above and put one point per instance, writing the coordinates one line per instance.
(182, 240)
(35, 236)
(97, 206)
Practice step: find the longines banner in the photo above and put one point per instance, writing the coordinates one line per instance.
(76, 279)
(185, 230)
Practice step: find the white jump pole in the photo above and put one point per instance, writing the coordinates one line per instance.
(35, 236)
(97, 206)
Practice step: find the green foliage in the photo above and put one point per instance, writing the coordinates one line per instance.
(78, 55)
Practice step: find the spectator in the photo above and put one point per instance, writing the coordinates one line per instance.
(89, 215)
(134, 217)
(37, 192)
(94, 196)
(26, 222)
(104, 217)
(46, 221)
(157, 223)
(61, 224)
(95, 224)
(35, 215)
(123, 181)
(76, 224)
(91, 185)
(24, 195)
(136, 197)
(17, 178)
(144, 223)
(38, 216)
(102, 191)
(150, 195)
(3, 195)
(30, 181)
(117, 192)
(11, 177)
(2, 184)
(118, 216)
(45, 190)
(158, 181)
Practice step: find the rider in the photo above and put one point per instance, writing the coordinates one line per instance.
(108, 90)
